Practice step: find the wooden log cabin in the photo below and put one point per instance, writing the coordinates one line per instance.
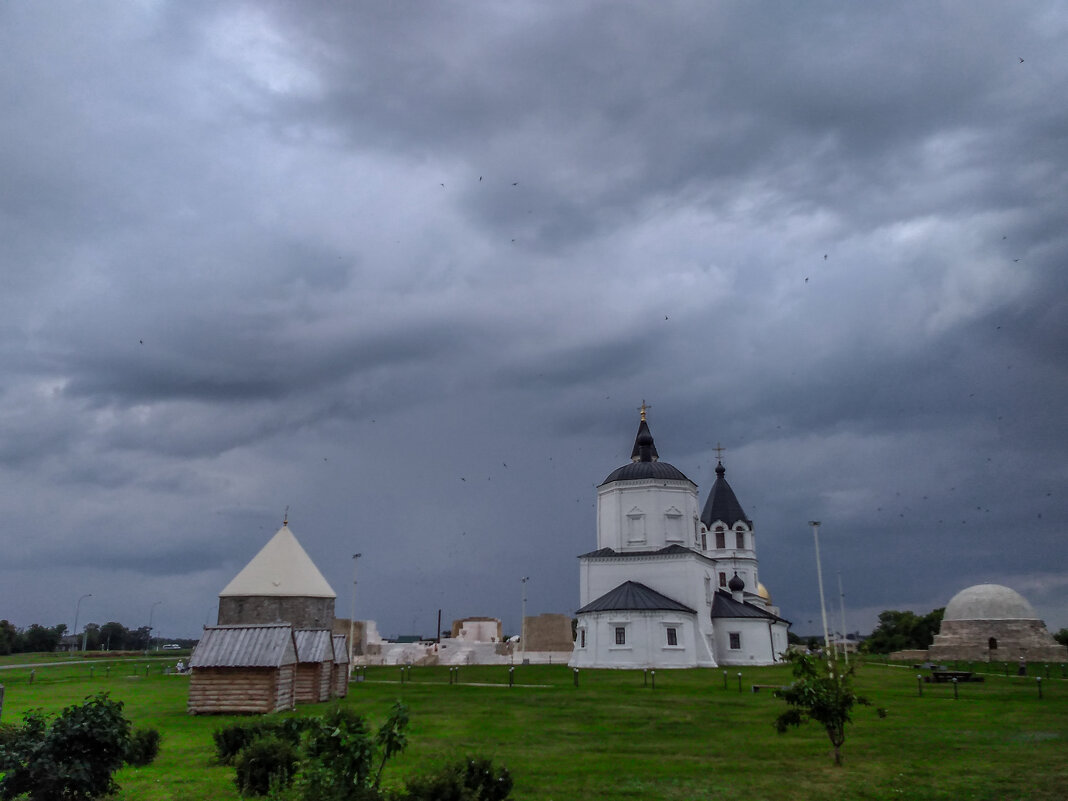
(315, 665)
(243, 669)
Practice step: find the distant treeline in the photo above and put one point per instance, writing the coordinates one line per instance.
(111, 636)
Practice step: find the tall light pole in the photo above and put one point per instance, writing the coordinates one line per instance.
(841, 601)
(523, 623)
(77, 609)
(352, 611)
(151, 609)
(819, 577)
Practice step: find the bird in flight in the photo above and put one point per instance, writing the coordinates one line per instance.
(1021, 60)
(443, 186)
(515, 183)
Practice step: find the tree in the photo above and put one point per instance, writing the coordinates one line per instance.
(38, 638)
(1061, 636)
(823, 692)
(8, 637)
(114, 636)
(902, 631)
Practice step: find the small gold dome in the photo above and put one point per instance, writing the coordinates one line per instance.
(762, 591)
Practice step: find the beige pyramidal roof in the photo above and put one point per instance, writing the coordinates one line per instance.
(283, 568)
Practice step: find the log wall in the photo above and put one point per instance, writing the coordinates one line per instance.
(240, 690)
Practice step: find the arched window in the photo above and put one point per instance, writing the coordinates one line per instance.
(721, 537)
(992, 643)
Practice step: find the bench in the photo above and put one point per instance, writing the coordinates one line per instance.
(947, 676)
(758, 687)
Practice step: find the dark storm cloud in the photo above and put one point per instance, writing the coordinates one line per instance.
(411, 269)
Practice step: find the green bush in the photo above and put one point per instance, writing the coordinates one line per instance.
(473, 779)
(265, 764)
(229, 740)
(143, 747)
(70, 758)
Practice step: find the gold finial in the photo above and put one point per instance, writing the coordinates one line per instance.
(285, 516)
(643, 409)
(719, 452)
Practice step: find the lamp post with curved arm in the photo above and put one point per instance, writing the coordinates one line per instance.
(148, 645)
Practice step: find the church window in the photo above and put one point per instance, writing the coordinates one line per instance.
(992, 643)
(674, 525)
(723, 579)
(721, 537)
(741, 541)
(708, 589)
(672, 636)
(704, 542)
(582, 638)
(736, 640)
(635, 525)
(621, 635)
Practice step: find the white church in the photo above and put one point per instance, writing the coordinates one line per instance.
(669, 586)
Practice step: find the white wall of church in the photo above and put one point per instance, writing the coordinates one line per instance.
(759, 641)
(646, 515)
(646, 641)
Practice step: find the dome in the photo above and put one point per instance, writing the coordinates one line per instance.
(638, 470)
(762, 591)
(736, 584)
(989, 602)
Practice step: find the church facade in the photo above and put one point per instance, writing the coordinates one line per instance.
(672, 585)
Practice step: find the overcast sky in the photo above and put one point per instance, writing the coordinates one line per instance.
(409, 269)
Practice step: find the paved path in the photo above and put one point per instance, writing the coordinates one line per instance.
(68, 662)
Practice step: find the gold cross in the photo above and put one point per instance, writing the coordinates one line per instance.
(719, 452)
(643, 409)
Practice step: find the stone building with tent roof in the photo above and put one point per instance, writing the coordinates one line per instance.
(280, 584)
(668, 585)
(273, 639)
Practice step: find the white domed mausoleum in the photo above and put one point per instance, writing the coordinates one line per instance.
(670, 586)
(996, 624)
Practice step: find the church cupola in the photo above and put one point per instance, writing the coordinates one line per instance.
(644, 447)
(722, 505)
(737, 587)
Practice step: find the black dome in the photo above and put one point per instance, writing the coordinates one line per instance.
(638, 470)
(736, 584)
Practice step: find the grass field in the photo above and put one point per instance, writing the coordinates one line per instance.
(613, 738)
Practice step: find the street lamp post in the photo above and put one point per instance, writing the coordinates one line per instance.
(523, 623)
(151, 610)
(841, 602)
(77, 609)
(819, 577)
(352, 612)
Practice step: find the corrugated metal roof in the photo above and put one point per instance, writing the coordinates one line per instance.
(722, 504)
(313, 645)
(263, 645)
(631, 595)
(341, 649)
(723, 605)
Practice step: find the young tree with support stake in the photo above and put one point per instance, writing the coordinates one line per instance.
(823, 692)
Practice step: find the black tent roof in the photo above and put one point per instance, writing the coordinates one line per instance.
(633, 596)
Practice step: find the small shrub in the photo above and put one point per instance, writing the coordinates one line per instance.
(143, 747)
(473, 779)
(229, 740)
(265, 764)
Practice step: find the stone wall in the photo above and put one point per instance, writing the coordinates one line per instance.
(302, 613)
(549, 633)
(1014, 640)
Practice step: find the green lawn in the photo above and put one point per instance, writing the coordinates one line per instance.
(613, 738)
